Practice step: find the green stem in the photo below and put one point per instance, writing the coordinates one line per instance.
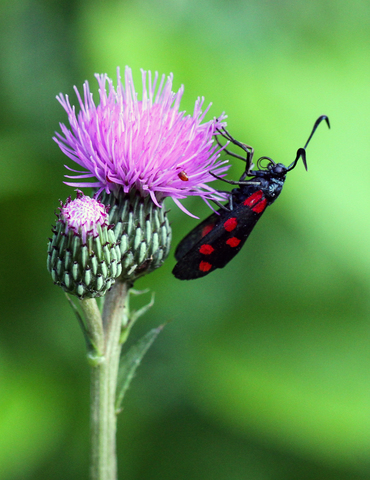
(103, 388)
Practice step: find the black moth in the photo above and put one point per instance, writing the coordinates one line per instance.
(216, 240)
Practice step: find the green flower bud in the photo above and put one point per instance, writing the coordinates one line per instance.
(84, 257)
(143, 230)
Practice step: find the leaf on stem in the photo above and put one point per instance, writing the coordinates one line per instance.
(94, 356)
(130, 361)
(129, 319)
(139, 313)
(81, 322)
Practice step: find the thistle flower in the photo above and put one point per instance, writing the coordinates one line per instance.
(83, 255)
(141, 151)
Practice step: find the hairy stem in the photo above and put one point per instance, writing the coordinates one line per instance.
(103, 388)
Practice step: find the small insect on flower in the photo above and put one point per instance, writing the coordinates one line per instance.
(216, 240)
(182, 176)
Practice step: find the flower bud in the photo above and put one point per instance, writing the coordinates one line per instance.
(84, 257)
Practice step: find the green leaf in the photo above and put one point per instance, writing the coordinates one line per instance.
(94, 354)
(81, 322)
(142, 311)
(130, 361)
(130, 319)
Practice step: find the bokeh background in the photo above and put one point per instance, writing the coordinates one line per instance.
(263, 372)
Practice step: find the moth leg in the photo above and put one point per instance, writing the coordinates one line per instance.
(219, 204)
(235, 182)
(247, 148)
(232, 154)
(224, 207)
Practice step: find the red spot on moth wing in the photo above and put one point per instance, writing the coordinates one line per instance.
(206, 249)
(205, 266)
(259, 208)
(206, 230)
(230, 224)
(253, 199)
(233, 242)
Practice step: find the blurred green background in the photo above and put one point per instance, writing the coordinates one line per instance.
(263, 373)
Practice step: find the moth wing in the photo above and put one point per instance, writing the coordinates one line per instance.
(187, 267)
(202, 255)
(231, 242)
(195, 235)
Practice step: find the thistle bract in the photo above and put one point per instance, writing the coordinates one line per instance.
(144, 232)
(84, 257)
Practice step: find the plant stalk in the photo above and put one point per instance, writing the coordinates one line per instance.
(103, 387)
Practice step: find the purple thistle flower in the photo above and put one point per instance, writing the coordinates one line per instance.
(147, 145)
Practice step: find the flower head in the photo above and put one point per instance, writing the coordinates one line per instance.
(145, 145)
